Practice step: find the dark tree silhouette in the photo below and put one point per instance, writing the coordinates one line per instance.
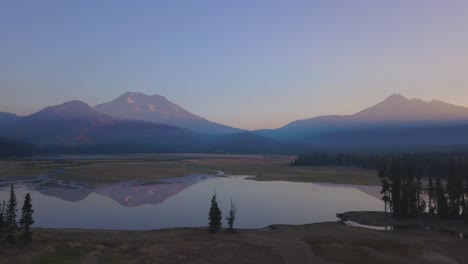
(215, 216)
(431, 194)
(385, 180)
(2, 218)
(465, 202)
(27, 219)
(403, 176)
(441, 199)
(421, 203)
(10, 217)
(396, 201)
(14, 148)
(231, 217)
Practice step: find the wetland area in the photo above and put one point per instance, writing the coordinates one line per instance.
(101, 209)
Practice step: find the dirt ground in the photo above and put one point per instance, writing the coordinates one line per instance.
(315, 243)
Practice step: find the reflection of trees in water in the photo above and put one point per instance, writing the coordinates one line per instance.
(370, 190)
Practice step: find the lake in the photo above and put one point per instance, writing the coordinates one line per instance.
(185, 201)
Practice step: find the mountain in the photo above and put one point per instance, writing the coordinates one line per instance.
(395, 123)
(394, 138)
(7, 117)
(75, 123)
(64, 124)
(72, 110)
(248, 142)
(75, 127)
(394, 110)
(157, 109)
(398, 108)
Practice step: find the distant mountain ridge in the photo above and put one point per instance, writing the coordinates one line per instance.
(396, 109)
(72, 110)
(75, 122)
(7, 117)
(157, 109)
(395, 123)
(75, 127)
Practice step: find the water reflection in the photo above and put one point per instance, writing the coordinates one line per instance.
(67, 194)
(136, 194)
(130, 193)
(184, 202)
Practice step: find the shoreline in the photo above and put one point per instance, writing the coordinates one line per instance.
(381, 219)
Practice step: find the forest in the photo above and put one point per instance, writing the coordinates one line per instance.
(10, 148)
(413, 184)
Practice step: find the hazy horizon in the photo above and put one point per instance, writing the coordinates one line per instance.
(245, 64)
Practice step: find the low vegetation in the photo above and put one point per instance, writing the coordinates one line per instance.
(316, 243)
(112, 169)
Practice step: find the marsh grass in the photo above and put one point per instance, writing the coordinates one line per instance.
(154, 167)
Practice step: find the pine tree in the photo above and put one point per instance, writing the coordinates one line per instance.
(431, 193)
(10, 216)
(465, 203)
(384, 179)
(27, 219)
(396, 189)
(231, 217)
(442, 206)
(421, 203)
(215, 216)
(2, 218)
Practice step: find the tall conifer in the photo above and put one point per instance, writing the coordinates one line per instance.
(215, 216)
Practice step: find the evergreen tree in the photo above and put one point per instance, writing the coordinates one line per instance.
(421, 203)
(431, 194)
(384, 179)
(442, 206)
(2, 218)
(395, 203)
(10, 217)
(27, 219)
(465, 203)
(404, 202)
(215, 216)
(231, 217)
(454, 189)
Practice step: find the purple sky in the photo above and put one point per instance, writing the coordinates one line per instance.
(246, 63)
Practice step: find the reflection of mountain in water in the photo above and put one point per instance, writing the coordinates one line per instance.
(130, 194)
(67, 194)
(134, 193)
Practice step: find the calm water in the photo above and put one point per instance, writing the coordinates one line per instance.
(184, 202)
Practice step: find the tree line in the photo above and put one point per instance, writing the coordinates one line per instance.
(412, 183)
(13, 230)
(432, 164)
(325, 159)
(10, 148)
(410, 191)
